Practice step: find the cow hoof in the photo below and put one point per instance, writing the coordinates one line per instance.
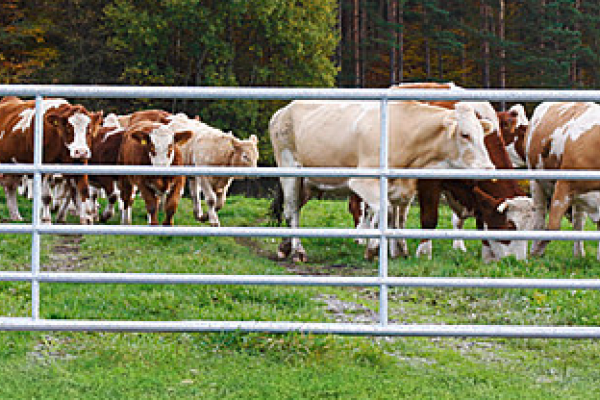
(424, 250)
(299, 258)
(370, 254)
(215, 224)
(203, 218)
(46, 221)
(539, 248)
(16, 218)
(459, 245)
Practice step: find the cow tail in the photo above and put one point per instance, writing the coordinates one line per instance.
(276, 207)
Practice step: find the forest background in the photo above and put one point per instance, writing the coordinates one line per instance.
(307, 43)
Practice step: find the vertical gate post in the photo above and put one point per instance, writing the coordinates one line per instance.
(383, 215)
(37, 197)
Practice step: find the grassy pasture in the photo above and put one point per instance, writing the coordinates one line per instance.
(238, 365)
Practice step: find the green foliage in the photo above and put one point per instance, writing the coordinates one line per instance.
(238, 43)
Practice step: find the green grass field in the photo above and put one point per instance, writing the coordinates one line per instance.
(238, 365)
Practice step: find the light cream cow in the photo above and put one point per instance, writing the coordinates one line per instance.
(564, 136)
(211, 147)
(345, 134)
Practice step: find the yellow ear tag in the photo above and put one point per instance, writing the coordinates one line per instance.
(144, 142)
(55, 122)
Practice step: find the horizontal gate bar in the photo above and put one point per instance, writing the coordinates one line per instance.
(508, 331)
(434, 234)
(264, 93)
(304, 172)
(199, 279)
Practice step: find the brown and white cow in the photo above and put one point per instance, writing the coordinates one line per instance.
(210, 146)
(346, 134)
(564, 136)
(156, 144)
(497, 204)
(68, 131)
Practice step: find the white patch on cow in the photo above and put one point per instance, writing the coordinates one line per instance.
(111, 121)
(28, 114)
(162, 139)
(79, 148)
(2, 134)
(110, 133)
(521, 115)
(514, 156)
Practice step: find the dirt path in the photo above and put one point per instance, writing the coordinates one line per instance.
(65, 254)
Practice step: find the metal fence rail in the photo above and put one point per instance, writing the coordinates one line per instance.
(383, 173)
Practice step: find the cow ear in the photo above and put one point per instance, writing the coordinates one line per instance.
(140, 136)
(182, 136)
(253, 139)
(487, 125)
(450, 124)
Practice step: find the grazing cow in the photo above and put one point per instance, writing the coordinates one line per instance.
(68, 131)
(496, 204)
(212, 147)
(151, 143)
(564, 136)
(346, 134)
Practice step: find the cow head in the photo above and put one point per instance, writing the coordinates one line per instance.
(516, 213)
(245, 152)
(467, 133)
(158, 142)
(75, 126)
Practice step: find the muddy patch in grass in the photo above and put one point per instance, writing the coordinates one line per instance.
(65, 254)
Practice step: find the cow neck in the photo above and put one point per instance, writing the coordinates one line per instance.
(497, 151)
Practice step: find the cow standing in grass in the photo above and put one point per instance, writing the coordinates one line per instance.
(68, 132)
(564, 136)
(152, 144)
(340, 134)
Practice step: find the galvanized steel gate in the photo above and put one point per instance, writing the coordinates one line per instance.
(382, 281)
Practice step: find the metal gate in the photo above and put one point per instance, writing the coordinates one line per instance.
(382, 281)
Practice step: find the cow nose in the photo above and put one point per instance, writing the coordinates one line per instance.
(81, 153)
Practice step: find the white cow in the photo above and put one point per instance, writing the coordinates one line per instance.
(345, 134)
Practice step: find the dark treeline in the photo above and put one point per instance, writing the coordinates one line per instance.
(320, 43)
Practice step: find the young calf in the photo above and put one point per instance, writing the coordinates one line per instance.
(151, 143)
(212, 147)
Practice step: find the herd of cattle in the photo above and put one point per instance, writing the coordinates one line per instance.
(338, 134)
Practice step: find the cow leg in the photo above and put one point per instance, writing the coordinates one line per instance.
(368, 190)
(399, 247)
(63, 194)
(151, 201)
(172, 200)
(126, 190)
(83, 200)
(291, 211)
(540, 208)
(194, 187)
(429, 193)
(458, 224)
(211, 201)
(222, 195)
(112, 190)
(579, 217)
(11, 185)
(561, 201)
(46, 217)
(358, 208)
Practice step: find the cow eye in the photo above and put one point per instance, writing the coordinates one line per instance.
(465, 136)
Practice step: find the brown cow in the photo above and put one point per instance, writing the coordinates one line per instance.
(68, 131)
(152, 143)
(564, 136)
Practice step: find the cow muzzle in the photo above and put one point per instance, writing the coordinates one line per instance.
(80, 152)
